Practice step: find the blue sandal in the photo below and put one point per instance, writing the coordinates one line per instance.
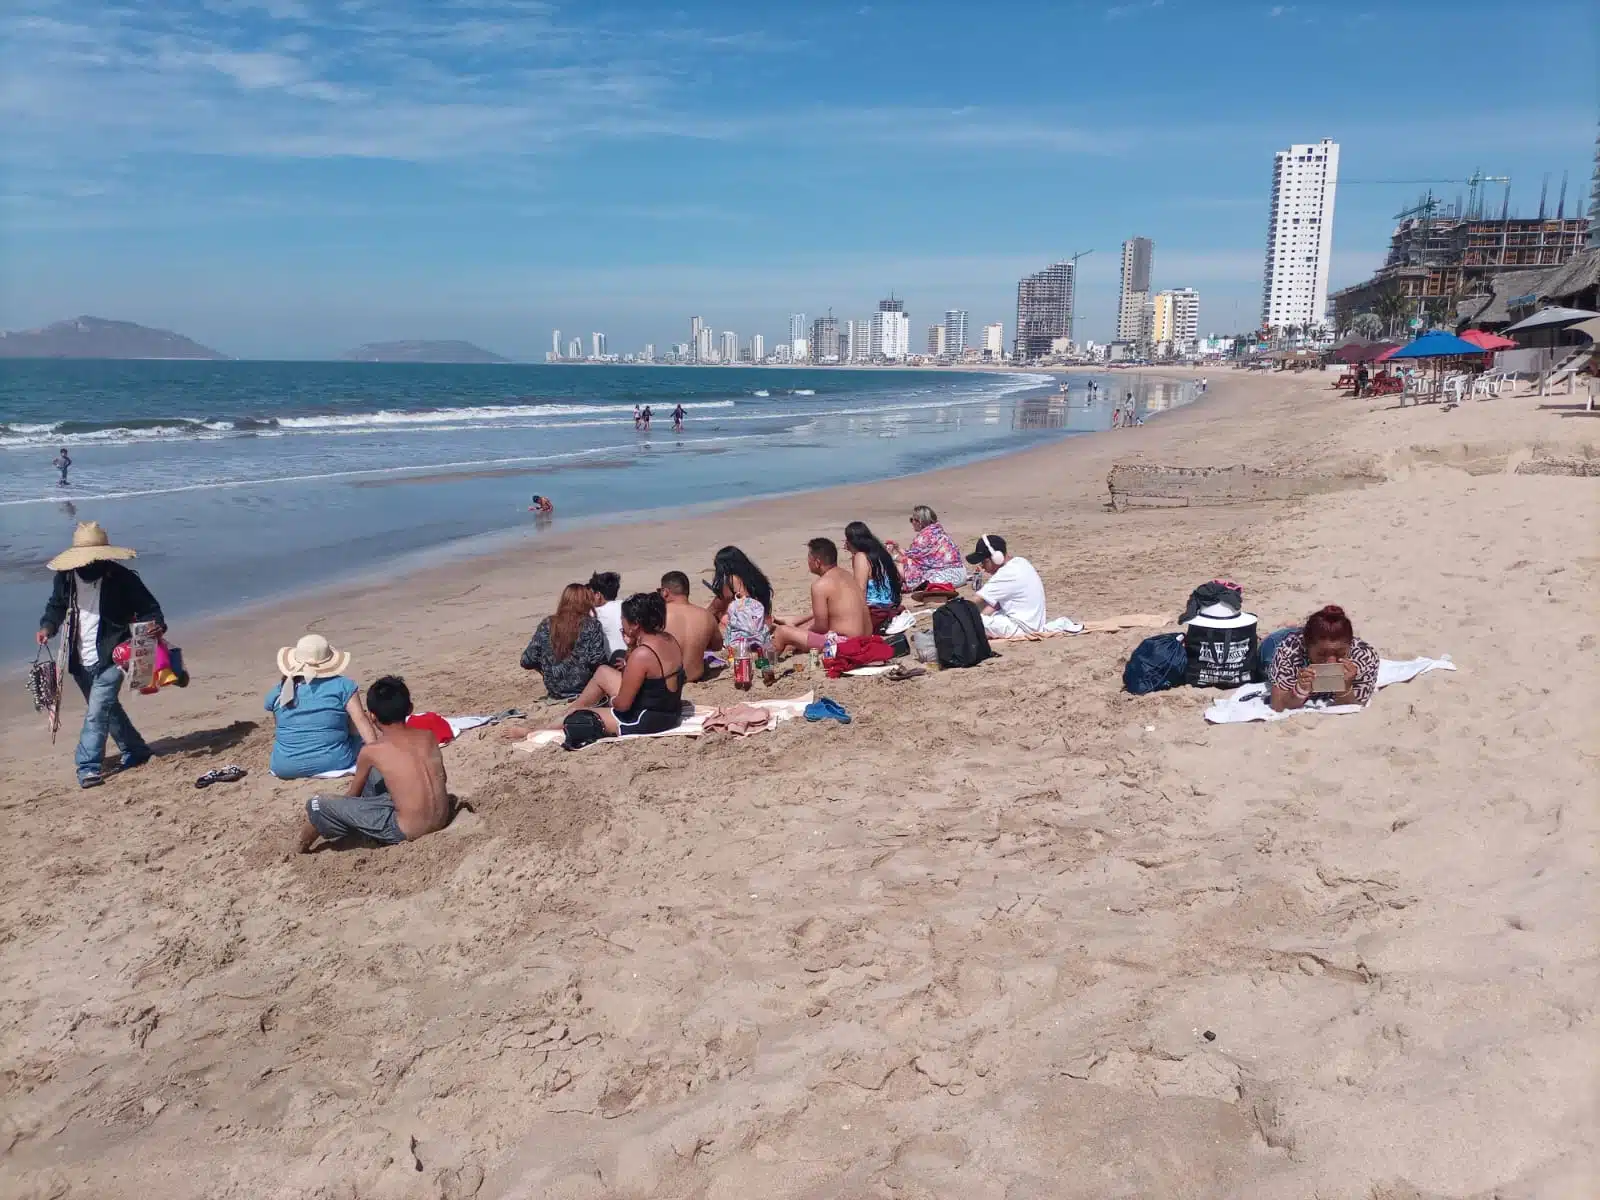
(826, 709)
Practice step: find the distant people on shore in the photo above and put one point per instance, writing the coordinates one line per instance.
(605, 586)
(741, 599)
(677, 419)
(62, 463)
(1012, 598)
(646, 694)
(569, 645)
(399, 792)
(541, 505)
(875, 572)
(1291, 658)
(695, 629)
(638, 417)
(838, 604)
(94, 602)
(931, 559)
(319, 724)
(645, 416)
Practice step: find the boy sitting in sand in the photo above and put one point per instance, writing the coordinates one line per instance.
(398, 793)
(838, 605)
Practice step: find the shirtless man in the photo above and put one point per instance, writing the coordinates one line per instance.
(398, 793)
(696, 629)
(838, 605)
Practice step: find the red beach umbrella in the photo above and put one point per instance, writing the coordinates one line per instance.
(1488, 341)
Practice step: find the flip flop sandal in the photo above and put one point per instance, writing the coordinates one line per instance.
(221, 775)
(827, 709)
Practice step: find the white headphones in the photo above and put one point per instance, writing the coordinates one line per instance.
(999, 556)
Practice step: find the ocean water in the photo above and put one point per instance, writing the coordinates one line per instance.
(242, 481)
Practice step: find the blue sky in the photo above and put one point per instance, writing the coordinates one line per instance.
(292, 177)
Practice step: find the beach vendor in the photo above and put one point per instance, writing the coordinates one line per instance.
(319, 723)
(646, 695)
(94, 603)
(838, 605)
(568, 645)
(1327, 639)
(1012, 598)
(875, 572)
(931, 559)
(399, 792)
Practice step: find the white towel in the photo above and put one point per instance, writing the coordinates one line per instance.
(694, 720)
(1253, 702)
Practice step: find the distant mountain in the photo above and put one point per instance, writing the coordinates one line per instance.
(95, 337)
(421, 352)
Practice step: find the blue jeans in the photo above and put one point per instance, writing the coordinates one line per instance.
(1269, 648)
(106, 716)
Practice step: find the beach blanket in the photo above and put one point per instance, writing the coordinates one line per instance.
(1129, 621)
(694, 723)
(1254, 701)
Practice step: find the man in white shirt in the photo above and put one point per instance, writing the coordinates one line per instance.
(1013, 598)
(604, 587)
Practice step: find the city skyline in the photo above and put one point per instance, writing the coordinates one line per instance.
(295, 178)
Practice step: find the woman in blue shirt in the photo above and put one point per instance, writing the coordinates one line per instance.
(321, 724)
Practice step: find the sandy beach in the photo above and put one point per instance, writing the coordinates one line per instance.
(1011, 934)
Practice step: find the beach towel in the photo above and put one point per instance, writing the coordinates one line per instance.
(1254, 701)
(1128, 621)
(857, 652)
(693, 725)
(741, 720)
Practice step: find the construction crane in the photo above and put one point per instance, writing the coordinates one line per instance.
(1429, 204)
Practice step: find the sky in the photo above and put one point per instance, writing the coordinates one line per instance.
(290, 178)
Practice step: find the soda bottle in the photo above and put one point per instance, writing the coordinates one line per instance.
(743, 676)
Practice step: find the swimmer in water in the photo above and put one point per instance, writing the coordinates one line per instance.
(541, 505)
(677, 419)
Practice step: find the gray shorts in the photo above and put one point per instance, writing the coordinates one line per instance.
(336, 817)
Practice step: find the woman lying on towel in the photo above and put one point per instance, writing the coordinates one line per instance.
(875, 572)
(1328, 639)
(646, 696)
(931, 559)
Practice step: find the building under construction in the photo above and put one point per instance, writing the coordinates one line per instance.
(1439, 256)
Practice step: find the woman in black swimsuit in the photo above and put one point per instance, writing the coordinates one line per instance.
(646, 696)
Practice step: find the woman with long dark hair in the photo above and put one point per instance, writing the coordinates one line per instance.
(874, 569)
(568, 645)
(646, 695)
(741, 594)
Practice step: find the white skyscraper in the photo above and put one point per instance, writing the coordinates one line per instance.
(955, 332)
(598, 341)
(891, 331)
(758, 349)
(702, 342)
(797, 336)
(555, 342)
(730, 346)
(1176, 321)
(648, 354)
(575, 349)
(1300, 235)
(994, 341)
(935, 340)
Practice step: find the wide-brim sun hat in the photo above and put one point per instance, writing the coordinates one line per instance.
(89, 544)
(312, 657)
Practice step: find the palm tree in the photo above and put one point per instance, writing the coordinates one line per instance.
(1392, 306)
(1367, 325)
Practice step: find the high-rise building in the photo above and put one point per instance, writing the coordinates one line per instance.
(575, 349)
(1175, 323)
(890, 332)
(797, 336)
(730, 346)
(1138, 257)
(1044, 310)
(758, 349)
(555, 342)
(1300, 235)
(935, 340)
(1594, 198)
(695, 326)
(598, 341)
(701, 351)
(955, 332)
(858, 340)
(648, 354)
(825, 339)
(994, 341)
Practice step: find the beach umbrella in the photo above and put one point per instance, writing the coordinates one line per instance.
(1485, 340)
(1552, 318)
(1437, 344)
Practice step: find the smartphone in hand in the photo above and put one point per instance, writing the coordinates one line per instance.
(1328, 678)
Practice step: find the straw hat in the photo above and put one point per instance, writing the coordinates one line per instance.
(312, 658)
(89, 544)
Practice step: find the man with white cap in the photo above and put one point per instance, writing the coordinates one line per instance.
(94, 603)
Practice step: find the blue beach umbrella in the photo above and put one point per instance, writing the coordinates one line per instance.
(1437, 344)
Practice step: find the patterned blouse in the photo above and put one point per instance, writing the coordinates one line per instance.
(565, 677)
(747, 625)
(933, 558)
(1291, 658)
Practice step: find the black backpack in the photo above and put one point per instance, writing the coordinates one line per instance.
(958, 636)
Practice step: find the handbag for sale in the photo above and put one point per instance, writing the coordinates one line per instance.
(44, 684)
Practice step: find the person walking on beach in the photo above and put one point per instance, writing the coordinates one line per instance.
(94, 603)
(646, 416)
(63, 463)
(677, 419)
(638, 417)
